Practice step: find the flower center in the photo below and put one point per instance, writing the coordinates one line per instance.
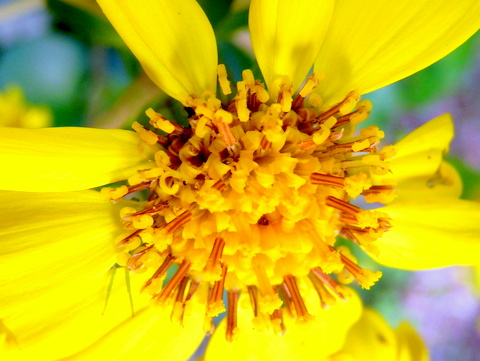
(252, 196)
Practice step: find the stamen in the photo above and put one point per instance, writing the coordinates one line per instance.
(364, 277)
(222, 121)
(213, 268)
(220, 185)
(164, 295)
(160, 272)
(162, 123)
(116, 193)
(128, 238)
(147, 136)
(269, 301)
(343, 107)
(287, 299)
(296, 297)
(232, 315)
(223, 79)
(154, 209)
(133, 260)
(327, 180)
(328, 281)
(177, 222)
(253, 293)
(277, 322)
(265, 144)
(215, 302)
(179, 305)
(342, 206)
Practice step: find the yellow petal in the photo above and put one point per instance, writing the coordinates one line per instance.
(418, 168)
(48, 239)
(67, 159)
(410, 345)
(429, 233)
(421, 152)
(150, 335)
(55, 255)
(446, 182)
(370, 339)
(173, 40)
(310, 340)
(286, 36)
(372, 43)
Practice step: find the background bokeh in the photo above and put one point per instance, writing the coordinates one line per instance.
(67, 58)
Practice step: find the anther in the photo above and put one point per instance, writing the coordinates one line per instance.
(220, 185)
(128, 238)
(342, 206)
(270, 300)
(132, 261)
(364, 277)
(177, 222)
(277, 322)
(296, 297)
(319, 277)
(265, 144)
(232, 315)
(327, 180)
(179, 305)
(213, 266)
(253, 293)
(160, 272)
(215, 304)
(343, 107)
(165, 293)
(154, 209)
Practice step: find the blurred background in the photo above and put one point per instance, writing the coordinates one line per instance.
(64, 60)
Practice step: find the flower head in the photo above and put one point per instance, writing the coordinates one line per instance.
(251, 196)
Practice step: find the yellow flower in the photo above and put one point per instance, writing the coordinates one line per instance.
(249, 199)
(15, 112)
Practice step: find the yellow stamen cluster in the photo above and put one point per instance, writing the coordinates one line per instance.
(251, 197)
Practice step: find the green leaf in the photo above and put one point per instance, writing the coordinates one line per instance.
(90, 28)
(215, 10)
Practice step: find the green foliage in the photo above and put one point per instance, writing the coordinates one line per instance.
(85, 26)
(441, 78)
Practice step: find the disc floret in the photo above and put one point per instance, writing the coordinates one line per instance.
(252, 195)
